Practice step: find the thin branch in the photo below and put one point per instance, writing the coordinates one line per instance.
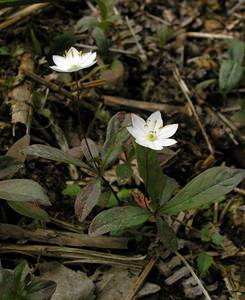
(186, 93)
(141, 279)
(205, 35)
(205, 293)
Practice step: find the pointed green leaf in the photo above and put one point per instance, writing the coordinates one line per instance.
(236, 51)
(118, 218)
(87, 199)
(167, 235)
(116, 135)
(54, 154)
(29, 209)
(204, 261)
(230, 75)
(23, 190)
(204, 189)
(159, 186)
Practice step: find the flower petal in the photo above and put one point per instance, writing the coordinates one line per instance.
(167, 131)
(73, 56)
(138, 122)
(136, 132)
(59, 60)
(154, 122)
(58, 69)
(88, 59)
(166, 142)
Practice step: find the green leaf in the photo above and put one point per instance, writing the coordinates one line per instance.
(230, 74)
(124, 171)
(9, 166)
(40, 289)
(29, 209)
(204, 189)
(167, 235)
(159, 186)
(101, 40)
(20, 273)
(55, 154)
(23, 190)
(87, 199)
(204, 261)
(205, 235)
(116, 135)
(103, 9)
(164, 34)
(236, 51)
(86, 23)
(4, 51)
(35, 43)
(217, 239)
(8, 286)
(118, 218)
(71, 190)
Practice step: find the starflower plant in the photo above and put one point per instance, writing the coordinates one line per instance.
(73, 61)
(151, 133)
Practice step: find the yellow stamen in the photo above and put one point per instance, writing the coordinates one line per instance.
(152, 136)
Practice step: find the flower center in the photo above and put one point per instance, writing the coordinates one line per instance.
(152, 136)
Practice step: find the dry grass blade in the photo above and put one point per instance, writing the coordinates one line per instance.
(186, 93)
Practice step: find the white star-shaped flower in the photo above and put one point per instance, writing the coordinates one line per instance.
(151, 133)
(73, 61)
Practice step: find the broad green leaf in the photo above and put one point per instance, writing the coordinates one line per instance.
(103, 9)
(54, 154)
(86, 23)
(236, 51)
(9, 166)
(8, 286)
(101, 40)
(87, 199)
(230, 74)
(20, 273)
(204, 261)
(124, 171)
(204, 189)
(164, 34)
(40, 289)
(217, 239)
(205, 234)
(118, 218)
(116, 135)
(167, 235)
(71, 190)
(17, 150)
(23, 190)
(4, 51)
(159, 186)
(29, 209)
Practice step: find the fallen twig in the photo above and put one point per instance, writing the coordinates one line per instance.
(64, 238)
(21, 14)
(79, 255)
(54, 87)
(205, 293)
(205, 35)
(141, 279)
(142, 105)
(186, 93)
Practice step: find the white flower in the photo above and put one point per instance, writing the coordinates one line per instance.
(151, 133)
(73, 61)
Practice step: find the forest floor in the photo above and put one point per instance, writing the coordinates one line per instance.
(151, 55)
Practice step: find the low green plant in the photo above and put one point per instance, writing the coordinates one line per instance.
(20, 284)
(208, 187)
(232, 69)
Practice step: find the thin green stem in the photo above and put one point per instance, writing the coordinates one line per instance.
(83, 136)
